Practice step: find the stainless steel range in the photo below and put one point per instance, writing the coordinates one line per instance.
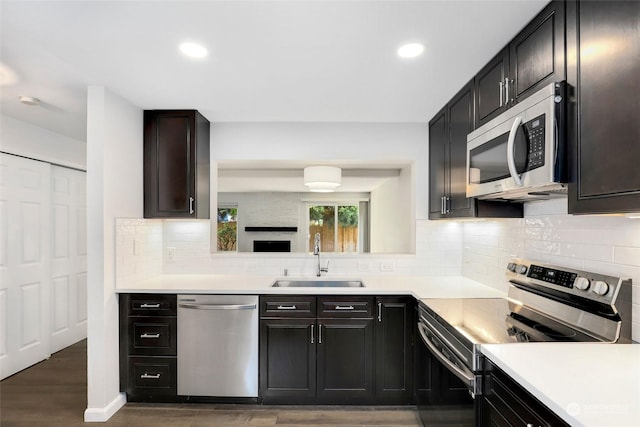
(544, 303)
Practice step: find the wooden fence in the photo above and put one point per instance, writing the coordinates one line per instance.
(347, 239)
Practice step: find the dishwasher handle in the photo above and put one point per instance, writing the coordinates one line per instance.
(205, 306)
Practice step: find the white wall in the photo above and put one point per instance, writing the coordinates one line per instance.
(114, 189)
(602, 244)
(391, 232)
(23, 139)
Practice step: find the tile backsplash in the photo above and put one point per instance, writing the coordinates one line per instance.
(605, 244)
(479, 250)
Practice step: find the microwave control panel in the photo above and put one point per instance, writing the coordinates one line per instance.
(535, 134)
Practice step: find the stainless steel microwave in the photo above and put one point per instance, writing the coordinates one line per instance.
(521, 154)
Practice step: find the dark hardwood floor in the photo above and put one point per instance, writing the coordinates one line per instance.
(53, 393)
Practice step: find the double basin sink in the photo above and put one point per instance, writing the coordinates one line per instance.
(317, 283)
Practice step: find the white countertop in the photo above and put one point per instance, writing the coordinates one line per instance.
(418, 286)
(586, 384)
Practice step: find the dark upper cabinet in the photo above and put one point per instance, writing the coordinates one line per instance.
(490, 88)
(438, 164)
(506, 403)
(394, 349)
(533, 59)
(448, 132)
(176, 164)
(604, 133)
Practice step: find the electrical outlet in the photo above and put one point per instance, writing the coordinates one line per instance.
(171, 253)
(387, 266)
(364, 266)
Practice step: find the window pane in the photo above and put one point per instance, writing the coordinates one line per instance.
(347, 229)
(322, 220)
(227, 229)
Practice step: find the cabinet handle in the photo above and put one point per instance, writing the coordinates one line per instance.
(507, 83)
(146, 335)
(149, 305)
(379, 312)
(447, 204)
(344, 307)
(312, 325)
(442, 205)
(146, 376)
(319, 333)
(287, 307)
(501, 85)
(191, 200)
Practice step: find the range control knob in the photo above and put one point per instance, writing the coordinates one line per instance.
(521, 269)
(582, 283)
(600, 287)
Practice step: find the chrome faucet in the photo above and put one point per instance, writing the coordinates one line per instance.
(316, 252)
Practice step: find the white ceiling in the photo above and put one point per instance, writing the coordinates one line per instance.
(291, 61)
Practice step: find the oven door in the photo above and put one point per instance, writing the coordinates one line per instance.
(442, 397)
(437, 346)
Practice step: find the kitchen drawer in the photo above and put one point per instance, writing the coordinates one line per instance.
(149, 304)
(287, 306)
(151, 376)
(345, 306)
(155, 336)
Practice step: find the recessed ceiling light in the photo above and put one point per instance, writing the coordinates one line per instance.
(29, 100)
(193, 50)
(410, 50)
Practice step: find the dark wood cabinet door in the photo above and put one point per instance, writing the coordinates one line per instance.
(460, 114)
(604, 134)
(345, 361)
(537, 53)
(489, 97)
(288, 360)
(176, 164)
(394, 349)
(506, 403)
(438, 164)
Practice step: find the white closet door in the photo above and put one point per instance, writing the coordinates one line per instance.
(25, 313)
(68, 257)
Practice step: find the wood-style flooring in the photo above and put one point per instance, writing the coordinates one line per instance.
(53, 393)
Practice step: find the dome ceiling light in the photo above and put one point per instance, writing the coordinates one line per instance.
(322, 179)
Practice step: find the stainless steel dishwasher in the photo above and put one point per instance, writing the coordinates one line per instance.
(218, 345)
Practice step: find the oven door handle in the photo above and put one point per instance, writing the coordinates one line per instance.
(511, 161)
(464, 374)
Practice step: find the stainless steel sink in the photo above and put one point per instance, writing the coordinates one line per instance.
(319, 283)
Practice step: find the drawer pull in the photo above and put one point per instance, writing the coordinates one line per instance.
(146, 376)
(344, 307)
(145, 335)
(287, 307)
(150, 305)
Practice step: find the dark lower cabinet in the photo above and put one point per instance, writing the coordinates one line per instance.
(287, 360)
(604, 136)
(345, 361)
(352, 350)
(505, 403)
(148, 347)
(394, 343)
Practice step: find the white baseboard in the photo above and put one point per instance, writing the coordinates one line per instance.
(100, 415)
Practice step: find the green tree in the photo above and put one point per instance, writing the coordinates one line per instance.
(348, 216)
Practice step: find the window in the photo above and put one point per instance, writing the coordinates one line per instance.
(227, 229)
(337, 225)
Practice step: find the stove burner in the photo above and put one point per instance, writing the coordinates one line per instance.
(567, 333)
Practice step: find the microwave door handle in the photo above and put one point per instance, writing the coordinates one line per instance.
(511, 161)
